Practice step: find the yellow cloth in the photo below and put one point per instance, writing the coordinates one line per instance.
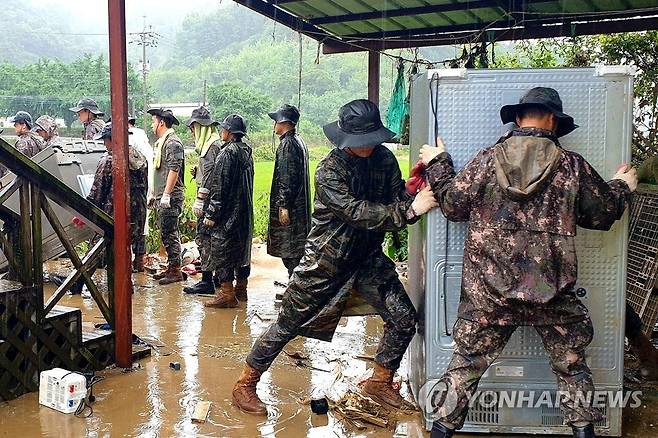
(157, 159)
(204, 137)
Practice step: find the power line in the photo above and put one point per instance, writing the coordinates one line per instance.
(145, 38)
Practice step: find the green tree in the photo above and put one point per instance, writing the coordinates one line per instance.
(232, 97)
(52, 87)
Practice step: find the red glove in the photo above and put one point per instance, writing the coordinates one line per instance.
(78, 222)
(416, 181)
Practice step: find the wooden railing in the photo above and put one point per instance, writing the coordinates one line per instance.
(21, 240)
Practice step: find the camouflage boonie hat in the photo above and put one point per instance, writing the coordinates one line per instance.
(164, 114)
(88, 104)
(48, 124)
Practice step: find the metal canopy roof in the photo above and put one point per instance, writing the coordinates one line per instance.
(355, 25)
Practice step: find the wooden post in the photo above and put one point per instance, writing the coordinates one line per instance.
(373, 76)
(25, 234)
(37, 243)
(121, 184)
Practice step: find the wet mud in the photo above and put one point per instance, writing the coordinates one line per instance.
(154, 400)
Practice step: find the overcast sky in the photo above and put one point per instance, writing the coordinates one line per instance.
(164, 15)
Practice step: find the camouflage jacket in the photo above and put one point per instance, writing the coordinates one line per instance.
(290, 190)
(101, 189)
(520, 262)
(92, 128)
(357, 200)
(230, 204)
(172, 158)
(55, 141)
(30, 144)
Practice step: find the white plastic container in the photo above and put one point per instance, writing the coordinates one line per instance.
(61, 389)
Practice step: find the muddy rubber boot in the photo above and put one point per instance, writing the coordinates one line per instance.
(138, 264)
(244, 393)
(380, 387)
(583, 431)
(174, 275)
(225, 298)
(440, 431)
(647, 355)
(205, 286)
(241, 289)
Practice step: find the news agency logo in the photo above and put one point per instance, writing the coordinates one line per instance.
(438, 399)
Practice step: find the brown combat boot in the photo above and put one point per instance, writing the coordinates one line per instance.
(138, 264)
(174, 275)
(380, 387)
(241, 289)
(225, 297)
(162, 274)
(244, 392)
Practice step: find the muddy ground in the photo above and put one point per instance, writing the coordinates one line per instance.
(154, 400)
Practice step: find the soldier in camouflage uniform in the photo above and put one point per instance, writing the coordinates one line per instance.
(101, 194)
(29, 142)
(88, 114)
(169, 189)
(208, 143)
(46, 127)
(523, 199)
(359, 196)
(228, 216)
(290, 197)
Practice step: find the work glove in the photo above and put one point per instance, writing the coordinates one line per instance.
(208, 223)
(193, 171)
(428, 153)
(284, 218)
(165, 201)
(197, 207)
(424, 202)
(78, 222)
(628, 175)
(416, 180)
(151, 202)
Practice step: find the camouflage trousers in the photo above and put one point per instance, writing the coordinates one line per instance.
(300, 305)
(204, 244)
(169, 231)
(478, 345)
(137, 220)
(225, 274)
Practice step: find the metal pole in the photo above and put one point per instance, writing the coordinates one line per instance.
(144, 88)
(373, 76)
(121, 184)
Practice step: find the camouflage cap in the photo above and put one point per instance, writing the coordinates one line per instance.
(22, 117)
(48, 124)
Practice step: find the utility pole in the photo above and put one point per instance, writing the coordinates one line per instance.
(145, 38)
(205, 92)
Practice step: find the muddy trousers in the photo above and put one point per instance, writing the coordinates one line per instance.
(137, 220)
(169, 231)
(478, 345)
(300, 305)
(290, 264)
